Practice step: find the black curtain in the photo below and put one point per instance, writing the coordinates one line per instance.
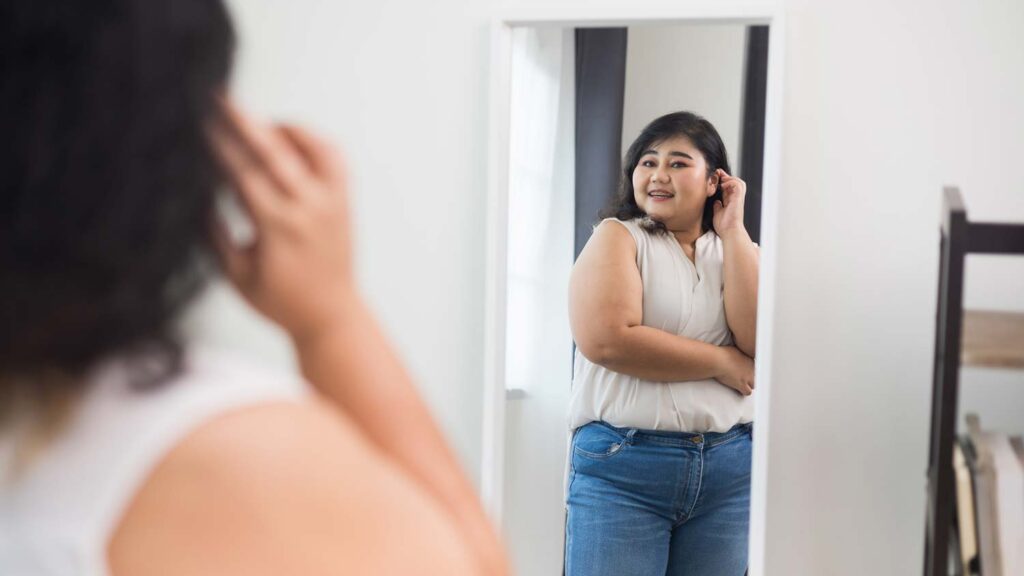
(752, 132)
(600, 89)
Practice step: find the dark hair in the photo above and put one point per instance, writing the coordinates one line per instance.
(107, 181)
(703, 136)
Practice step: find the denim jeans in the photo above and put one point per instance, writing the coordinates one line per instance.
(653, 503)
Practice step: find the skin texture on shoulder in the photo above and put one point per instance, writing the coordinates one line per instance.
(284, 488)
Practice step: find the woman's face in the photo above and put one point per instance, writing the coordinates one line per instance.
(671, 183)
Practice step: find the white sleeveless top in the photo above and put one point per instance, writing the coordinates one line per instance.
(680, 297)
(58, 514)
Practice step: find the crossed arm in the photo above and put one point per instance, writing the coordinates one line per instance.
(606, 313)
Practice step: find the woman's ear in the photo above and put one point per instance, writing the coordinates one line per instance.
(712, 185)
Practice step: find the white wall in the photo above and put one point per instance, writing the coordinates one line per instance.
(694, 67)
(402, 88)
(884, 103)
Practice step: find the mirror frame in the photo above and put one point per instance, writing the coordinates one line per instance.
(645, 12)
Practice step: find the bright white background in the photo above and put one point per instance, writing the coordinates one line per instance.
(884, 104)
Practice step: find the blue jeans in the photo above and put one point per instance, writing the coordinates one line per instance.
(652, 503)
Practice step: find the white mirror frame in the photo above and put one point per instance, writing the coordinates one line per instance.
(766, 12)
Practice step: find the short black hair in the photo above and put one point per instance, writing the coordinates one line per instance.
(107, 180)
(689, 125)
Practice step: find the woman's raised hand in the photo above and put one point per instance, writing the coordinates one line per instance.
(298, 272)
(728, 212)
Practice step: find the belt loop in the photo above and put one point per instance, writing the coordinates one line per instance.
(629, 436)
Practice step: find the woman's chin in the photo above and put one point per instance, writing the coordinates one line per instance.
(657, 213)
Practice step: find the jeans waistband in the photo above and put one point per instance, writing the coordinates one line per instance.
(674, 438)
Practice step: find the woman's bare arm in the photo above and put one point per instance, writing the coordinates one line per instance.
(740, 264)
(299, 275)
(740, 279)
(353, 364)
(606, 311)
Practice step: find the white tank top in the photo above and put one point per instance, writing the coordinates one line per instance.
(58, 514)
(680, 297)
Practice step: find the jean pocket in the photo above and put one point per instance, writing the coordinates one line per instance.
(597, 442)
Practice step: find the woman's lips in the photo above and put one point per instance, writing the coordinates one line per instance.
(659, 195)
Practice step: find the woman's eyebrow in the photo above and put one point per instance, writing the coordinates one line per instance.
(654, 152)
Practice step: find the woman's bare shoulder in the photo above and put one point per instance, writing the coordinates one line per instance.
(614, 227)
(611, 237)
(283, 488)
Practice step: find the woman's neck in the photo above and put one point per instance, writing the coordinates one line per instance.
(688, 235)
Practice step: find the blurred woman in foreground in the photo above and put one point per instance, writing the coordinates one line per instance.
(125, 450)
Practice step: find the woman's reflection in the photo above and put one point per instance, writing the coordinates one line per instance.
(663, 307)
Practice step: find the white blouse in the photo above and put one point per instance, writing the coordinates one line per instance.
(681, 297)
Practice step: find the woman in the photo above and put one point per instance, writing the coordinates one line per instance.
(663, 307)
(123, 449)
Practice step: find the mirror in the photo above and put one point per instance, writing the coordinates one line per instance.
(656, 466)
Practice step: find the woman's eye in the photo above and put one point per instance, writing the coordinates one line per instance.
(647, 163)
(678, 165)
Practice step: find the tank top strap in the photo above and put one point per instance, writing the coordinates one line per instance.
(640, 237)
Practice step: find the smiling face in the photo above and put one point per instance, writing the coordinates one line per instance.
(671, 183)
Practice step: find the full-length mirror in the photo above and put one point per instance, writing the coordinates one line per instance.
(635, 178)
